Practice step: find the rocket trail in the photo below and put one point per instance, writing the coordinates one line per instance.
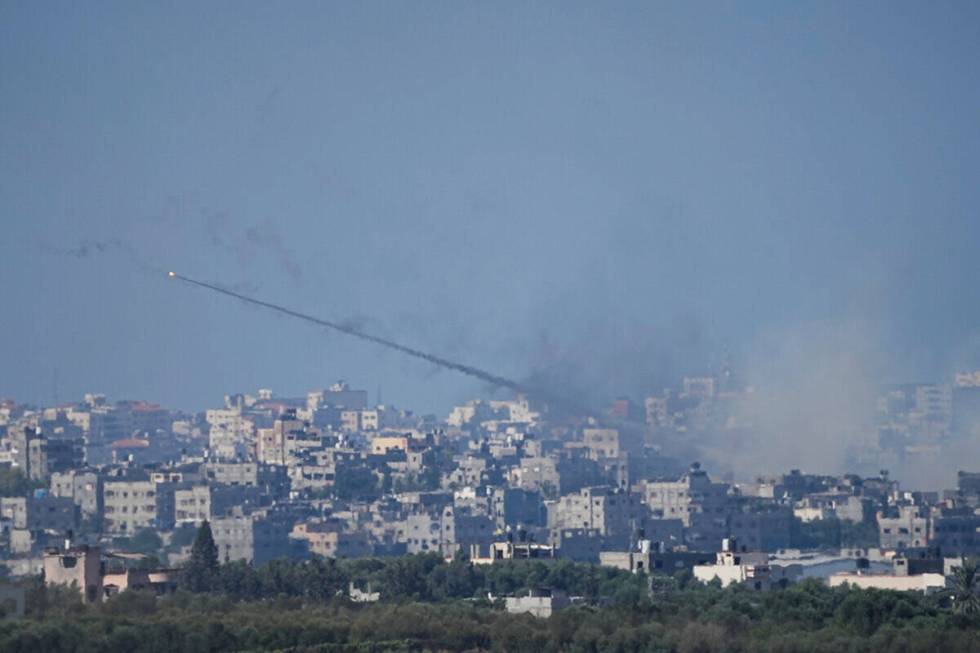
(474, 372)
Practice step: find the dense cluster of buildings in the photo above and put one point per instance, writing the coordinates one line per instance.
(328, 474)
(917, 421)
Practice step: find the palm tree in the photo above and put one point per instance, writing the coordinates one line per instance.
(966, 583)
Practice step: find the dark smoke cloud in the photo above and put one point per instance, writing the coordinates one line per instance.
(592, 363)
(250, 243)
(266, 238)
(89, 249)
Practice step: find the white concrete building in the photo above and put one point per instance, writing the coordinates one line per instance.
(539, 603)
(751, 568)
(925, 583)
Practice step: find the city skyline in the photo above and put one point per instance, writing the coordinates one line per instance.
(489, 326)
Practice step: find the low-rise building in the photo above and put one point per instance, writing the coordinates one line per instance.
(750, 568)
(925, 583)
(330, 540)
(655, 558)
(256, 538)
(79, 566)
(539, 603)
(511, 551)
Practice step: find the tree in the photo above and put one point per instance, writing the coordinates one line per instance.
(548, 490)
(355, 482)
(200, 571)
(182, 536)
(965, 586)
(323, 579)
(146, 541)
(14, 483)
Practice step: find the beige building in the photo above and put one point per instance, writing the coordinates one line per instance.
(311, 477)
(14, 509)
(129, 506)
(350, 421)
(370, 420)
(78, 566)
(285, 441)
(330, 541)
(158, 581)
(909, 527)
(244, 474)
(609, 512)
(230, 434)
(538, 603)
(535, 474)
(499, 551)
(694, 493)
(254, 538)
(192, 505)
(82, 487)
(601, 443)
(383, 444)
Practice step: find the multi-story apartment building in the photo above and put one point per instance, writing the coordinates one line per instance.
(256, 538)
(47, 455)
(702, 506)
(903, 527)
(955, 531)
(516, 507)
(285, 441)
(601, 443)
(132, 505)
(694, 493)
(613, 514)
(40, 512)
(330, 540)
(83, 487)
(192, 505)
(230, 434)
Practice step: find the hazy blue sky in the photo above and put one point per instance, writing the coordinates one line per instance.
(605, 194)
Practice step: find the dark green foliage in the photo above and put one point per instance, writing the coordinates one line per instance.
(146, 541)
(200, 572)
(548, 490)
(43, 601)
(430, 605)
(14, 483)
(356, 482)
(182, 536)
(966, 584)
(427, 480)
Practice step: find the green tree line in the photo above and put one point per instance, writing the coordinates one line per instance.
(428, 604)
(690, 618)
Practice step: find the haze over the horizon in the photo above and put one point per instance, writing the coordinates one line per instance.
(602, 196)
